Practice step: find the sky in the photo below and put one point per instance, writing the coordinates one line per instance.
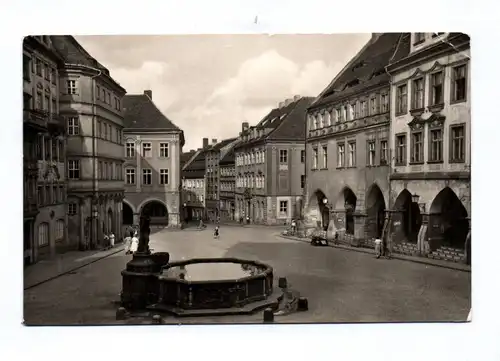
(209, 84)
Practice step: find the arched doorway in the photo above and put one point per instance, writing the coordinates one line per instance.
(350, 200)
(411, 219)
(157, 211)
(127, 214)
(318, 209)
(375, 207)
(110, 224)
(448, 221)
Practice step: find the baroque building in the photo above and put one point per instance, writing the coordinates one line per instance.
(153, 146)
(194, 186)
(44, 152)
(90, 103)
(269, 162)
(430, 137)
(227, 172)
(347, 152)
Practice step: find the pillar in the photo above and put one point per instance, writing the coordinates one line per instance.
(422, 242)
(396, 234)
(359, 228)
(137, 216)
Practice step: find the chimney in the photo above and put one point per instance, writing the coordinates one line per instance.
(281, 104)
(296, 97)
(244, 126)
(214, 141)
(149, 93)
(205, 142)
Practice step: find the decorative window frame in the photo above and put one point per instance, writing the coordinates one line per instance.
(343, 162)
(323, 146)
(450, 140)
(452, 67)
(417, 126)
(404, 109)
(435, 123)
(436, 68)
(315, 150)
(354, 161)
(368, 142)
(418, 75)
(386, 160)
(404, 161)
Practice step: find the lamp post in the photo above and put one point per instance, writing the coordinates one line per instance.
(415, 197)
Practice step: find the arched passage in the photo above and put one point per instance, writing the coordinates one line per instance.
(448, 220)
(110, 224)
(347, 201)
(411, 219)
(127, 214)
(157, 211)
(375, 207)
(318, 210)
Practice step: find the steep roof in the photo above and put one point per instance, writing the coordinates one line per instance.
(73, 53)
(196, 167)
(285, 123)
(221, 144)
(186, 156)
(140, 112)
(367, 68)
(228, 158)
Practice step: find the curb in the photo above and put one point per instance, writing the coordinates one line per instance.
(120, 249)
(394, 256)
(264, 226)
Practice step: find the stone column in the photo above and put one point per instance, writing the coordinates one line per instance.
(422, 243)
(137, 216)
(359, 228)
(396, 234)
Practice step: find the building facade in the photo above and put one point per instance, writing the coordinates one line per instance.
(91, 105)
(348, 145)
(213, 155)
(44, 151)
(194, 186)
(153, 145)
(430, 137)
(269, 162)
(227, 172)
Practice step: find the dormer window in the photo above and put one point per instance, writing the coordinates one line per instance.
(418, 38)
(435, 35)
(352, 83)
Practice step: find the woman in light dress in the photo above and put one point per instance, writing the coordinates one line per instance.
(131, 243)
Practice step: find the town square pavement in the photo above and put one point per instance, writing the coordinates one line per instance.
(341, 285)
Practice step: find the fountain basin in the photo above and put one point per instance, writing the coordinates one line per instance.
(214, 286)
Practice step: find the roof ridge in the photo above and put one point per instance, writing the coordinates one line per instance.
(287, 117)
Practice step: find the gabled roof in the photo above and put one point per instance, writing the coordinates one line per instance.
(141, 113)
(228, 158)
(73, 53)
(186, 156)
(367, 68)
(195, 168)
(218, 146)
(285, 123)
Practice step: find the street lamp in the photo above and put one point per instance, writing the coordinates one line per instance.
(325, 200)
(415, 197)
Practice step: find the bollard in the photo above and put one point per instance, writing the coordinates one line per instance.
(121, 314)
(156, 320)
(268, 315)
(303, 304)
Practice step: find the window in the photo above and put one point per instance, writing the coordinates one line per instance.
(46, 71)
(436, 146)
(363, 109)
(54, 75)
(147, 176)
(163, 150)
(53, 108)
(73, 126)
(401, 99)
(371, 153)
(72, 209)
(98, 92)
(38, 101)
(147, 150)
(343, 114)
(373, 106)
(316, 121)
(417, 147)
(71, 86)
(130, 150)
(340, 155)
(106, 170)
(336, 113)
(418, 38)
(130, 175)
(457, 151)
(302, 181)
(459, 83)
(383, 152)
(401, 149)
(354, 110)
(283, 206)
(163, 176)
(105, 131)
(43, 234)
(384, 103)
(26, 67)
(418, 93)
(352, 155)
(104, 95)
(325, 156)
(302, 156)
(73, 169)
(315, 158)
(59, 230)
(283, 156)
(26, 102)
(437, 88)
(46, 103)
(118, 106)
(38, 65)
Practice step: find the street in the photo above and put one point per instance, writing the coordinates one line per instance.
(341, 286)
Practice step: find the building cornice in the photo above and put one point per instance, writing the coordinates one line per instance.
(349, 131)
(453, 175)
(140, 131)
(89, 71)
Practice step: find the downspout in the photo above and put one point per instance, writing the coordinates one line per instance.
(94, 235)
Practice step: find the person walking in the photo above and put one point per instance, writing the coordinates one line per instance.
(111, 240)
(216, 232)
(378, 247)
(134, 243)
(128, 241)
(294, 227)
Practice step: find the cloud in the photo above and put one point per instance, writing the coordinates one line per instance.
(257, 87)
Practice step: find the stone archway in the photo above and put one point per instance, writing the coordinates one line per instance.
(408, 219)
(346, 201)
(375, 212)
(157, 211)
(127, 214)
(448, 222)
(318, 212)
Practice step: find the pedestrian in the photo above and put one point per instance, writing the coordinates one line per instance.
(248, 220)
(216, 232)
(128, 241)
(111, 240)
(106, 240)
(134, 243)
(378, 247)
(294, 226)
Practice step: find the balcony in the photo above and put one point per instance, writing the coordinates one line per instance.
(43, 120)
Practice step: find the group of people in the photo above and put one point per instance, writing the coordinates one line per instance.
(131, 242)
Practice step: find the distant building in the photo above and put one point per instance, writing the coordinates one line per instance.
(347, 162)
(270, 165)
(430, 137)
(227, 185)
(212, 176)
(153, 145)
(194, 186)
(44, 152)
(90, 103)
